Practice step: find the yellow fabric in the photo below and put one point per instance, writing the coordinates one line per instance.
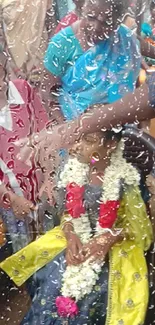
(134, 219)
(128, 284)
(33, 257)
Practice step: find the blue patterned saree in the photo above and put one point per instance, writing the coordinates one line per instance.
(103, 74)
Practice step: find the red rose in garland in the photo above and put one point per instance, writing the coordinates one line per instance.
(108, 213)
(74, 200)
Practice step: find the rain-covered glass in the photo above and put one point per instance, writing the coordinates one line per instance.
(77, 170)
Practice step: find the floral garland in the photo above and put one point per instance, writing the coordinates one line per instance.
(74, 176)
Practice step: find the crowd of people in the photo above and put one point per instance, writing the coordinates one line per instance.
(75, 160)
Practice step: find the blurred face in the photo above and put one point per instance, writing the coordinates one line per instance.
(101, 19)
(93, 147)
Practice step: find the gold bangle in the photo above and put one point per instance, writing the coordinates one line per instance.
(67, 223)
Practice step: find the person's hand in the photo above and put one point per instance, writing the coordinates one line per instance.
(74, 250)
(98, 247)
(94, 251)
(20, 206)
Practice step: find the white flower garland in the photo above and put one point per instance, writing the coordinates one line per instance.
(74, 171)
(79, 281)
(82, 228)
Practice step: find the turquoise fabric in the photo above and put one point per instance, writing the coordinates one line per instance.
(63, 50)
(146, 29)
(103, 74)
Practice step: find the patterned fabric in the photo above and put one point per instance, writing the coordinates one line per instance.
(23, 116)
(47, 285)
(127, 274)
(17, 231)
(68, 20)
(103, 74)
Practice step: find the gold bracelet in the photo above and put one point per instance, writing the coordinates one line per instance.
(67, 223)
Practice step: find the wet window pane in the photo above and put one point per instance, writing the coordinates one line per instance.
(77, 170)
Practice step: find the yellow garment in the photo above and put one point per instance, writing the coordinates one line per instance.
(128, 284)
(33, 257)
(25, 32)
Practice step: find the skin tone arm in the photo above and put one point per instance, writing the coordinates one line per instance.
(20, 206)
(98, 247)
(133, 107)
(74, 245)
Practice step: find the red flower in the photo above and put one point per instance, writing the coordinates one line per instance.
(74, 200)
(66, 307)
(108, 213)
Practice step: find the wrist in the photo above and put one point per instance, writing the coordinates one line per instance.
(110, 239)
(69, 235)
(68, 230)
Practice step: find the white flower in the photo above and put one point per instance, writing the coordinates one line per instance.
(79, 281)
(74, 171)
(82, 228)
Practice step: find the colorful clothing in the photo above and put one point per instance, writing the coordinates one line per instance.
(124, 279)
(103, 74)
(148, 33)
(68, 20)
(23, 116)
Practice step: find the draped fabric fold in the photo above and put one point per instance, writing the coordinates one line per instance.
(24, 26)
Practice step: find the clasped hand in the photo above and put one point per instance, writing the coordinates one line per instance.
(77, 253)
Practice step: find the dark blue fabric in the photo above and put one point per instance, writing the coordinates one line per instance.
(151, 85)
(45, 287)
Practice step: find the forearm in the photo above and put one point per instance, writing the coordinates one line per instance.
(68, 229)
(133, 107)
(109, 239)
